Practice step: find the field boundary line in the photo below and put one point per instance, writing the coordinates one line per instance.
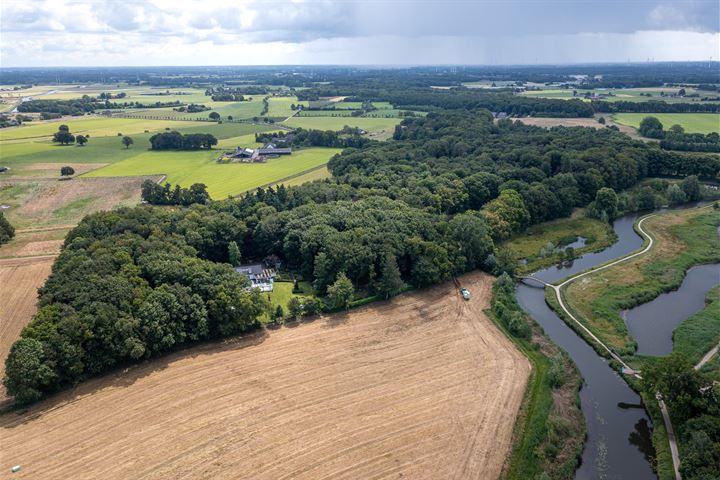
(285, 179)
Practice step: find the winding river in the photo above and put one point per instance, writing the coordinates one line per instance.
(618, 443)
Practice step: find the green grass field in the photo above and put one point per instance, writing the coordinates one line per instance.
(280, 106)
(22, 156)
(94, 126)
(186, 168)
(691, 122)
(625, 95)
(372, 125)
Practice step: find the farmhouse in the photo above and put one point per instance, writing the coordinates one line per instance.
(259, 275)
(255, 155)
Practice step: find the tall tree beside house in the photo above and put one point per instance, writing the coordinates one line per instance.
(340, 293)
(7, 231)
(234, 253)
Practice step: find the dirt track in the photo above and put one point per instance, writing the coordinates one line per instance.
(424, 387)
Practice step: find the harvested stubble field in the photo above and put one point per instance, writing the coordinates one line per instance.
(423, 386)
(18, 305)
(549, 122)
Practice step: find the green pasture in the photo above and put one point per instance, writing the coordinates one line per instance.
(20, 155)
(691, 122)
(186, 168)
(624, 94)
(94, 126)
(373, 125)
(280, 106)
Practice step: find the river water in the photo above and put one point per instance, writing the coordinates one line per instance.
(618, 444)
(652, 323)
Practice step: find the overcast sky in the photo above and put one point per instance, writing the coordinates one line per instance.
(258, 32)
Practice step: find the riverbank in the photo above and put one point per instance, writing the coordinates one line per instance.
(678, 240)
(549, 433)
(546, 244)
(682, 239)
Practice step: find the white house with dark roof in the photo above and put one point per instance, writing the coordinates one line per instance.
(259, 275)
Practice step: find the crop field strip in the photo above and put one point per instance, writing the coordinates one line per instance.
(387, 390)
(691, 122)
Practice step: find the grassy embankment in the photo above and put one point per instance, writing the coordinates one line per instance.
(550, 431)
(683, 239)
(561, 232)
(700, 332)
(691, 122)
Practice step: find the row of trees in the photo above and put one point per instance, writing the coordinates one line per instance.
(654, 106)
(179, 141)
(675, 137)
(86, 104)
(156, 194)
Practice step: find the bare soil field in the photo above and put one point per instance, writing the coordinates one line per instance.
(422, 387)
(577, 122)
(52, 202)
(20, 279)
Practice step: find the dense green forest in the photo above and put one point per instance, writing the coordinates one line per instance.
(431, 203)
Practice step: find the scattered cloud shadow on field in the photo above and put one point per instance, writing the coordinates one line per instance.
(125, 377)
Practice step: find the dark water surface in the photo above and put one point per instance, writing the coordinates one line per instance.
(652, 324)
(619, 430)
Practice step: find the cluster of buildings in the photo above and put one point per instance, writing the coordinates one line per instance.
(255, 155)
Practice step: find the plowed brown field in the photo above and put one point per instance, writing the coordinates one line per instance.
(423, 387)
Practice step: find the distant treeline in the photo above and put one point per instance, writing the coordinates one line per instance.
(348, 137)
(179, 141)
(654, 106)
(84, 105)
(457, 98)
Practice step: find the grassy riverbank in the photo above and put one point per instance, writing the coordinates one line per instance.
(532, 245)
(550, 430)
(700, 332)
(683, 238)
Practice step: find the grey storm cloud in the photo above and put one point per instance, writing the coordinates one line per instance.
(363, 30)
(297, 22)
